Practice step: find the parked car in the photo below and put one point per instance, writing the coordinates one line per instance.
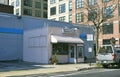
(109, 55)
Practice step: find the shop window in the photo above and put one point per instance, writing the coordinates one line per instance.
(60, 49)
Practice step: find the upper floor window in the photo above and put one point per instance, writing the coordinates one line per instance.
(62, 8)
(79, 17)
(52, 1)
(53, 11)
(119, 9)
(17, 2)
(27, 12)
(28, 3)
(70, 6)
(62, 18)
(17, 11)
(70, 18)
(79, 4)
(45, 6)
(37, 5)
(106, 41)
(45, 14)
(37, 13)
(108, 12)
(60, 0)
(92, 14)
(105, 1)
(92, 2)
(12, 4)
(107, 28)
(54, 19)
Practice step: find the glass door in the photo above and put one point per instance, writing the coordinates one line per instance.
(72, 54)
(80, 57)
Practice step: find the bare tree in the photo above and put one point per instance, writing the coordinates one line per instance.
(99, 14)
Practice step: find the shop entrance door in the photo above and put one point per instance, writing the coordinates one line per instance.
(80, 54)
(72, 52)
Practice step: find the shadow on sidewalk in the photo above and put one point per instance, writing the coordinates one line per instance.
(20, 65)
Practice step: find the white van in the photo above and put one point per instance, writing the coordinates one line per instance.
(109, 55)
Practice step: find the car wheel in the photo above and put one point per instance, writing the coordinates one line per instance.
(105, 66)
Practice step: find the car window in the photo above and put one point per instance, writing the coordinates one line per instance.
(118, 51)
(106, 49)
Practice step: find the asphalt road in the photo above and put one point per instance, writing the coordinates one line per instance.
(85, 73)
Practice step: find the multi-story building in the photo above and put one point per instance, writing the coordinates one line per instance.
(6, 8)
(6, 2)
(74, 11)
(36, 8)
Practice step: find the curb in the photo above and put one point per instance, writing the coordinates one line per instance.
(88, 68)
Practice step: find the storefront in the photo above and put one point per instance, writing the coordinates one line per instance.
(68, 49)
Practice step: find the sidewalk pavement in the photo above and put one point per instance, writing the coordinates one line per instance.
(19, 69)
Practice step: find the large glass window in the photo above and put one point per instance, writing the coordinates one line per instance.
(28, 3)
(53, 11)
(37, 13)
(62, 18)
(62, 8)
(119, 9)
(108, 12)
(92, 2)
(60, 49)
(119, 26)
(17, 3)
(27, 12)
(79, 4)
(79, 17)
(45, 14)
(70, 6)
(70, 18)
(105, 0)
(106, 41)
(107, 28)
(37, 5)
(52, 1)
(92, 14)
(45, 6)
(17, 11)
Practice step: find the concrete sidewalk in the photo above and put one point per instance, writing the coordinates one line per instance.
(19, 69)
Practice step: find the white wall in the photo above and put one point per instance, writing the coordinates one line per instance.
(35, 47)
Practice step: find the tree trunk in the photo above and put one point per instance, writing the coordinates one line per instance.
(97, 40)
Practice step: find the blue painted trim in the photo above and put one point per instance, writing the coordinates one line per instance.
(83, 36)
(11, 30)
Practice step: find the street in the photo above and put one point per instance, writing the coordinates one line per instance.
(85, 73)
